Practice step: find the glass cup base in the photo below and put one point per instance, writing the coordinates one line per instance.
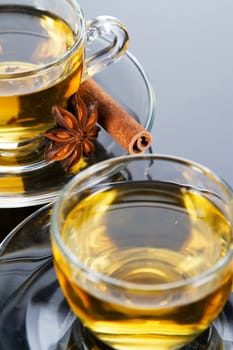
(83, 339)
(19, 157)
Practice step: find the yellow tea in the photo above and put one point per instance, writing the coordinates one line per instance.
(31, 39)
(145, 234)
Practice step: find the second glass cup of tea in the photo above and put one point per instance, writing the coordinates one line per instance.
(143, 249)
(43, 59)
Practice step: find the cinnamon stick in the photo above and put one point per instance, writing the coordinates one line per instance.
(126, 131)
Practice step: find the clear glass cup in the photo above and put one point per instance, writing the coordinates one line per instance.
(44, 56)
(143, 249)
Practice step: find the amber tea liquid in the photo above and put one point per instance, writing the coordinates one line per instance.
(147, 234)
(30, 39)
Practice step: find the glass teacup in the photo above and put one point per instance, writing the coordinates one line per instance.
(43, 59)
(143, 249)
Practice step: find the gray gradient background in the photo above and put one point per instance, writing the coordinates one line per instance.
(186, 49)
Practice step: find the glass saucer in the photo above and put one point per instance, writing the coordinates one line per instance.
(34, 314)
(128, 84)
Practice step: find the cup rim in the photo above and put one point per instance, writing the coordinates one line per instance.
(45, 67)
(197, 280)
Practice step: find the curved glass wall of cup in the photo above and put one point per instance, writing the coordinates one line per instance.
(42, 65)
(129, 85)
(137, 231)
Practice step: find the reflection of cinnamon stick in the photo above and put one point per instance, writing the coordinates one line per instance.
(130, 134)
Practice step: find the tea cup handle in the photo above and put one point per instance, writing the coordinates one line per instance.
(115, 37)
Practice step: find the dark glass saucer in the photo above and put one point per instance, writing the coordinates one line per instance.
(34, 314)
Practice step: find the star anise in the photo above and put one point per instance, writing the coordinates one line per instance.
(74, 133)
